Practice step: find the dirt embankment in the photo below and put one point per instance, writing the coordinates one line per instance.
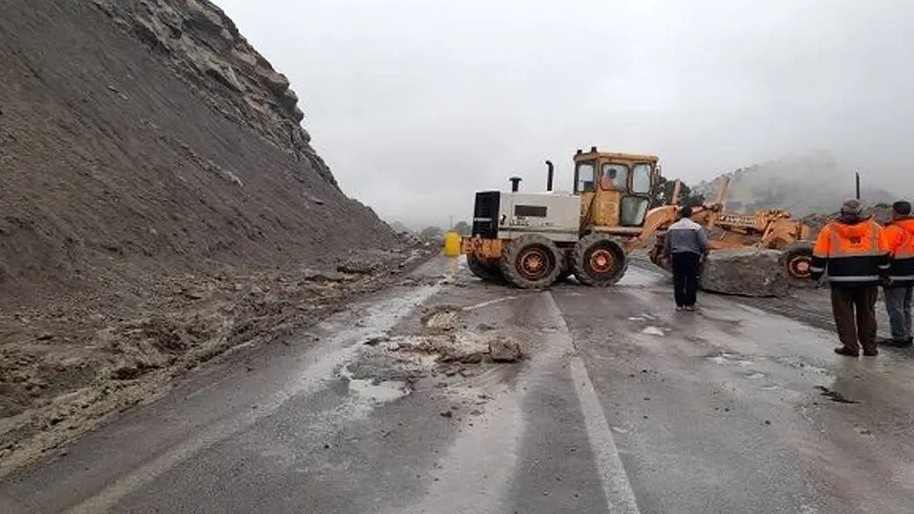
(159, 204)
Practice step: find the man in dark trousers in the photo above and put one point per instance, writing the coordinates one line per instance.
(853, 251)
(899, 236)
(687, 245)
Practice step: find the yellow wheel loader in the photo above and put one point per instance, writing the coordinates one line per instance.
(772, 229)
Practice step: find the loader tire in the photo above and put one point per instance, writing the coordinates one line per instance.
(531, 262)
(798, 260)
(599, 260)
(488, 272)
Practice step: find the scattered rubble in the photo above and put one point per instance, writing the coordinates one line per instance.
(503, 349)
(61, 374)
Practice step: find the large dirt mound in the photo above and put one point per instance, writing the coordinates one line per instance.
(159, 205)
(144, 138)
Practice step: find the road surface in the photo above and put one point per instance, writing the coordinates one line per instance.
(622, 405)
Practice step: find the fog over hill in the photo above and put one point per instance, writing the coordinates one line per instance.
(811, 182)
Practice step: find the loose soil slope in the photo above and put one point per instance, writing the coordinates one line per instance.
(159, 205)
(147, 140)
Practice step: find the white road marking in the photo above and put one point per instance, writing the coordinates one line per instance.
(620, 498)
(488, 303)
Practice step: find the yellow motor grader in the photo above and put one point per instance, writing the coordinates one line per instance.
(532, 240)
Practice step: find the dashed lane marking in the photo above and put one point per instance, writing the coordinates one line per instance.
(620, 498)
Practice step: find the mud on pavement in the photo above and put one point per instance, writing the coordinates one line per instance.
(67, 369)
(447, 344)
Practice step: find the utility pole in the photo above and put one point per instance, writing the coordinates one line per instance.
(858, 185)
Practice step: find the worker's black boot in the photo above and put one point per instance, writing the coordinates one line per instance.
(896, 343)
(846, 351)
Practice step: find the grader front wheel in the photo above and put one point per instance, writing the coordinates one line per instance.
(531, 262)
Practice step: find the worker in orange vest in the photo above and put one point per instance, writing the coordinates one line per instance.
(853, 251)
(899, 235)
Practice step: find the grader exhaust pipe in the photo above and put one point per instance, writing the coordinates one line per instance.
(550, 173)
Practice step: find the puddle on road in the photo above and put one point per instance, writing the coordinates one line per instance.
(384, 391)
(640, 277)
(653, 331)
(755, 376)
(381, 391)
(732, 358)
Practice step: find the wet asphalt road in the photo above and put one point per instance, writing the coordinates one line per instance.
(622, 406)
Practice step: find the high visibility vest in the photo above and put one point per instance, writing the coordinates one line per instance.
(858, 260)
(901, 244)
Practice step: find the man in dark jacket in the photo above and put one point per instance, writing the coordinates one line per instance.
(687, 245)
(853, 251)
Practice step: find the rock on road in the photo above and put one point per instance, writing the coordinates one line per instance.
(621, 405)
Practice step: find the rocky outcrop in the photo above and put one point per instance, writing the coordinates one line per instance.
(199, 41)
(746, 272)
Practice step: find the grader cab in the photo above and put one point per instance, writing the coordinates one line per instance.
(531, 240)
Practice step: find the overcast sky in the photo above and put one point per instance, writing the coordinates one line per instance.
(416, 104)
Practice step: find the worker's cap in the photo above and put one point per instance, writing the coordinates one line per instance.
(852, 207)
(902, 207)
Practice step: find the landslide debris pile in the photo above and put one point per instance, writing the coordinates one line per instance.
(159, 204)
(811, 186)
(746, 272)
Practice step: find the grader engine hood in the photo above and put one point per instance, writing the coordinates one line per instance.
(500, 215)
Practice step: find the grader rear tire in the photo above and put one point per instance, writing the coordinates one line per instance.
(531, 262)
(484, 270)
(599, 260)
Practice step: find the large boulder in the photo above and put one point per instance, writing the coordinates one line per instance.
(746, 272)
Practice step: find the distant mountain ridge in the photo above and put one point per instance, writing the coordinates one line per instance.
(806, 184)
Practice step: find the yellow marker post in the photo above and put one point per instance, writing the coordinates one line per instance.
(452, 251)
